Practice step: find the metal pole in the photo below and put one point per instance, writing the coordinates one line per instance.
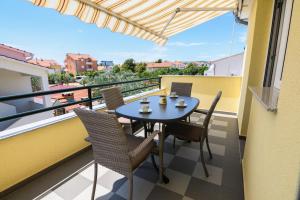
(90, 98)
(159, 81)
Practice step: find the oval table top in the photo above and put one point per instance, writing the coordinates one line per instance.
(160, 113)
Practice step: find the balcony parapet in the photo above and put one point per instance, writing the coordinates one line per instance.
(46, 122)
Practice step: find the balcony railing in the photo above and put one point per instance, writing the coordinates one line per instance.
(148, 83)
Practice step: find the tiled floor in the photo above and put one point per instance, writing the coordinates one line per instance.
(183, 167)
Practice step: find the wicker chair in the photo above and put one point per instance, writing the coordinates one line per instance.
(113, 99)
(195, 132)
(112, 148)
(182, 89)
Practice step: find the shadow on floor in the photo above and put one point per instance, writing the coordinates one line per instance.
(42, 183)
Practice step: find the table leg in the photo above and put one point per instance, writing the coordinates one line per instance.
(145, 129)
(162, 177)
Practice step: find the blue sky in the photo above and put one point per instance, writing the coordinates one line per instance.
(50, 35)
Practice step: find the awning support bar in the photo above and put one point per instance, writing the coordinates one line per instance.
(194, 9)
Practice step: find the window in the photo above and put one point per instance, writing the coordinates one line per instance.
(278, 41)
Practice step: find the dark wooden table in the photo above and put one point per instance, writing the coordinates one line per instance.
(160, 114)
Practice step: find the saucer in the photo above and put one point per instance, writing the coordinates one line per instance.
(145, 102)
(145, 112)
(181, 106)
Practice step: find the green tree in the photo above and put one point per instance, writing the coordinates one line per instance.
(159, 61)
(140, 68)
(191, 69)
(60, 78)
(116, 69)
(66, 78)
(129, 65)
(202, 69)
(36, 84)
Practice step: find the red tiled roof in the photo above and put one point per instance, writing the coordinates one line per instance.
(164, 64)
(78, 94)
(16, 49)
(80, 56)
(159, 65)
(44, 63)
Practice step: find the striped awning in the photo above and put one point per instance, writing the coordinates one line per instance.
(154, 20)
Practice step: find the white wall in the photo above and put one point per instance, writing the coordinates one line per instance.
(12, 83)
(26, 69)
(229, 66)
(6, 110)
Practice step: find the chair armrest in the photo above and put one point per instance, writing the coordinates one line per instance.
(110, 111)
(141, 146)
(205, 112)
(88, 139)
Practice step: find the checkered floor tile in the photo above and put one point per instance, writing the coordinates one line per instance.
(183, 167)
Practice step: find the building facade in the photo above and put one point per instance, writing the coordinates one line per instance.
(228, 66)
(77, 63)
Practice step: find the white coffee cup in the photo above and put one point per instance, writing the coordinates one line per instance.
(173, 94)
(145, 108)
(181, 102)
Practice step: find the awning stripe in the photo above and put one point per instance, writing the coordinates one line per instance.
(183, 15)
(146, 19)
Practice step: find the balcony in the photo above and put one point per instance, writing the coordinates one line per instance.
(57, 162)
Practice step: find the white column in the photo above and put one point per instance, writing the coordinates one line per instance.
(45, 87)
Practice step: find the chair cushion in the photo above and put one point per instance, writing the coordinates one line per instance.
(133, 142)
(130, 127)
(123, 120)
(185, 131)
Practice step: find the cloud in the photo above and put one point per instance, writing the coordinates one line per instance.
(140, 56)
(185, 44)
(79, 31)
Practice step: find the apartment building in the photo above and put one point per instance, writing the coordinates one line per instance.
(76, 63)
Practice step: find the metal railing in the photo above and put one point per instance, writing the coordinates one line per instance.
(89, 100)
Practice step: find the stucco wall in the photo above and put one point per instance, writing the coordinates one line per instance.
(256, 53)
(206, 87)
(271, 163)
(28, 153)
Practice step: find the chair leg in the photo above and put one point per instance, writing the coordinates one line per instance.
(208, 148)
(95, 180)
(202, 159)
(174, 141)
(154, 163)
(130, 187)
